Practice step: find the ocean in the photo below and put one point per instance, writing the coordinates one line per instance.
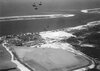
(44, 24)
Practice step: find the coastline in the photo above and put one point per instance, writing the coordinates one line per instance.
(90, 24)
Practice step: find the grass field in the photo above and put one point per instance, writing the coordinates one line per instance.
(51, 59)
(5, 58)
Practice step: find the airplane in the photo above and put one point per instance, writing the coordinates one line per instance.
(34, 5)
(40, 3)
(36, 8)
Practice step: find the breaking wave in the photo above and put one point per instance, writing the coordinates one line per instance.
(95, 10)
(30, 17)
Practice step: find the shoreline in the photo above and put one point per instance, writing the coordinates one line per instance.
(90, 24)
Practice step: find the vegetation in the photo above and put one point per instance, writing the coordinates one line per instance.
(26, 39)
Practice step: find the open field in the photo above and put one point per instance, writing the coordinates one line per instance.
(5, 58)
(48, 59)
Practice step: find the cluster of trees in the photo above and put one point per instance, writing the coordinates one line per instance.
(1, 41)
(28, 37)
(24, 39)
(15, 42)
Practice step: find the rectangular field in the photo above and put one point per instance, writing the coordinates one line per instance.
(43, 59)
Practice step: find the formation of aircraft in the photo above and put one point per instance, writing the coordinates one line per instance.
(36, 5)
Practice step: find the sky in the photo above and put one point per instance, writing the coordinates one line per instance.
(24, 7)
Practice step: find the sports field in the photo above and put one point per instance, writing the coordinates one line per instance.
(50, 59)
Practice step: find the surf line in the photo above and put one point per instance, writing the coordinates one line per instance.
(30, 17)
(19, 65)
